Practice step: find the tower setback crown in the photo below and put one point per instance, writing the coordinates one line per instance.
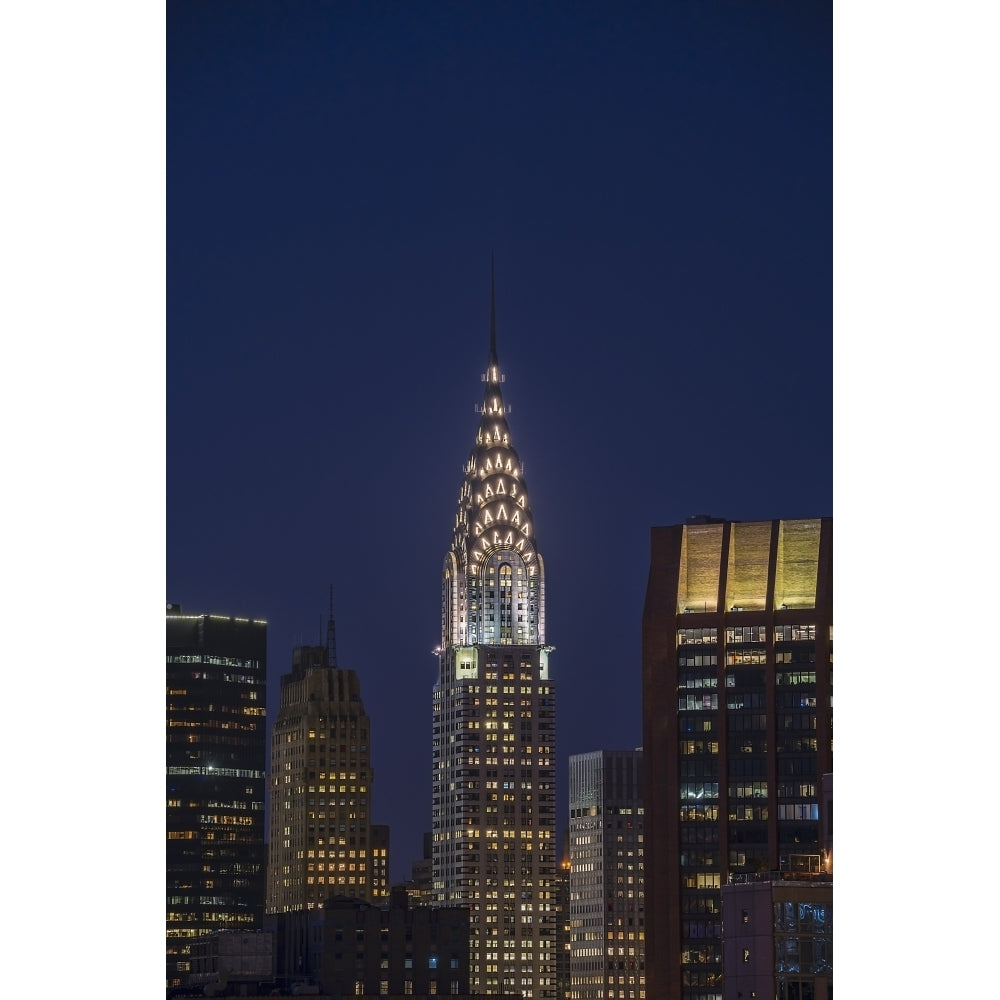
(493, 546)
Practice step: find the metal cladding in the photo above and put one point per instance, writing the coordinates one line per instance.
(493, 508)
(494, 536)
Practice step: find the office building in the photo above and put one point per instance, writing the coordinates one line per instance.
(321, 782)
(737, 656)
(607, 899)
(231, 963)
(826, 818)
(563, 926)
(420, 885)
(494, 767)
(216, 760)
(379, 863)
(777, 935)
(354, 948)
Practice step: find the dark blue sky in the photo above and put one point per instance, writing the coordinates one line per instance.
(655, 181)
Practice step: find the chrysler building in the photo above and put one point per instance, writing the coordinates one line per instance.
(494, 806)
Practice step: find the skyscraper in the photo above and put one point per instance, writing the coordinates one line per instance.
(216, 759)
(607, 905)
(494, 798)
(737, 657)
(321, 782)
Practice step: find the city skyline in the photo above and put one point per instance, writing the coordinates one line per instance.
(661, 225)
(101, 185)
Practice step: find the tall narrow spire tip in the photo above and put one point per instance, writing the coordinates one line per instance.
(493, 314)
(331, 636)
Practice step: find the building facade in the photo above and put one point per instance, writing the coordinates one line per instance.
(379, 864)
(321, 784)
(607, 898)
(777, 936)
(232, 963)
(563, 926)
(353, 948)
(216, 764)
(494, 767)
(419, 887)
(737, 650)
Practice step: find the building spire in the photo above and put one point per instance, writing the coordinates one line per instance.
(331, 636)
(493, 317)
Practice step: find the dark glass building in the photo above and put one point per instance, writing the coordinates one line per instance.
(737, 654)
(216, 759)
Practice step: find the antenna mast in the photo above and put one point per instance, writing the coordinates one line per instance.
(331, 636)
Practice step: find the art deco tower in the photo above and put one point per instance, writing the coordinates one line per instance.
(321, 783)
(494, 808)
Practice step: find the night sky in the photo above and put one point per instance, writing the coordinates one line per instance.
(655, 184)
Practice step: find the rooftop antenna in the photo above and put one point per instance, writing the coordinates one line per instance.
(492, 375)
(493, 315)
(331, 636)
